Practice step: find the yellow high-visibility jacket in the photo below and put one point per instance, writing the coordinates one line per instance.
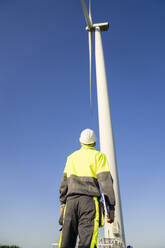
(86, 170)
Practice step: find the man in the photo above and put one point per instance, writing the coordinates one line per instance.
(85, 170)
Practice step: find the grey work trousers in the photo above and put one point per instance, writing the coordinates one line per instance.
(81, 219)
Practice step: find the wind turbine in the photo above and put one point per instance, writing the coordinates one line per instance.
(114, 233)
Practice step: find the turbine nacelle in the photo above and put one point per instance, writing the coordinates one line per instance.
(103, 26)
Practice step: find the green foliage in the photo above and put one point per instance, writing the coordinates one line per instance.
(9, 246)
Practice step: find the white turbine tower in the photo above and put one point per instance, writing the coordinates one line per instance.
(114, 233)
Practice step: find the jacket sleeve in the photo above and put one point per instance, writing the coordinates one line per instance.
(64, 187)
(105, 180)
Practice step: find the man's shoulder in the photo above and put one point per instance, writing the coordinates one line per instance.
(101, 155)
(73, 154)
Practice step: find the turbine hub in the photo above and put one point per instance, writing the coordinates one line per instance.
(103, 26)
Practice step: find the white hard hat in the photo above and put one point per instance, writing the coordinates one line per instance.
(87, 137)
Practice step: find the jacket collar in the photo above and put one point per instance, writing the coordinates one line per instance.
(87, 147)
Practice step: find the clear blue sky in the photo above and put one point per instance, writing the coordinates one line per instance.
(44, 105)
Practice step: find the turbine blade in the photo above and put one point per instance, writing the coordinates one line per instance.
(87, 18)
(90, 37)
(90, 15)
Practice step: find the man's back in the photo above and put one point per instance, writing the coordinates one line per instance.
(83, 162)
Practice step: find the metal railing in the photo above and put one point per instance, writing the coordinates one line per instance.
(110, 243)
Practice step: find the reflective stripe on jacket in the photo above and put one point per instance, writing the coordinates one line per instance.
(85, 170)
